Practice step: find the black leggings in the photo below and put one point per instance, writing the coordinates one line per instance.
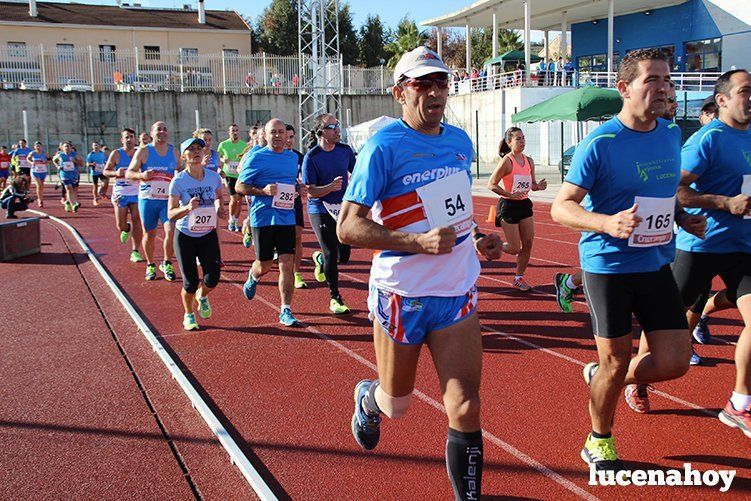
(324, 227)
(206, 249)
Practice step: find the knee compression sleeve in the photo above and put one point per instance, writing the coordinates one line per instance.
(393, 407)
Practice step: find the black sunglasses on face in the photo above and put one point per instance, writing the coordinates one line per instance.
(331, 126)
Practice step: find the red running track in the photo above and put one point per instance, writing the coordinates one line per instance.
(286, 394)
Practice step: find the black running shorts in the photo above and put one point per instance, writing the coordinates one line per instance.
(268, 239)
(299, 220)
(694, 272)
(231, 182)
(513, 211)
(652, 297)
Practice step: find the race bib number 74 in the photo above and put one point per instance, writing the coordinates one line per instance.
(448, 202)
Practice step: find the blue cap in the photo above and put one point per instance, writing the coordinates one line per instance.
(189, 142)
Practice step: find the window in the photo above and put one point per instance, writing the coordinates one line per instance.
(65, 52)
(101, 120)
(704, 55)
(597, 62)
(231, 55)
(17, 49)
(257, 117)
(151, 52)
(190, 55)
(107, 53)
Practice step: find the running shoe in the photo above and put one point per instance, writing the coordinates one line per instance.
(135, 257)
(563, 294)
(366, 428)
(337, 306)
(287, 319)
(68, 207)
(124, 235)
(96, 202)
(318, 260)
(520, 284)
(299, 282)
(231, 226)
(701, 332)
(695, 359)
(601, 453)
(168, 270)
(40, 204)
(589, 371)
(189, 322)
(737, 419)
(63, 201)
(637, 397)
(247, 240)
(204, 308)
(150, 272)
(249, 289)
(76, 206)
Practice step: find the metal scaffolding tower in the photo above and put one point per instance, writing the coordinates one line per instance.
(321, 71)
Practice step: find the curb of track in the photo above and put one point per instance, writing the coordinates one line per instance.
(248, 471)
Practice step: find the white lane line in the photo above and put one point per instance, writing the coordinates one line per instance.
(236, 455)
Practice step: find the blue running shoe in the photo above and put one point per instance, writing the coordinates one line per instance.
(701, 332)
(287, 319)
(249, 289)
(695, 359)
(365, 428)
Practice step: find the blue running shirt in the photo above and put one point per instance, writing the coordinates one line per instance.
(721, 156)
(203, 220)
(98, 159)
(157, 188)
(320, 167)
(263, 167)
(397, 173)
(619, 166)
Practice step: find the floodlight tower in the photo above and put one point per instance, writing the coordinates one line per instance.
(320, 62)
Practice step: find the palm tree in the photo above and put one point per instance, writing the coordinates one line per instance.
(407, 38)
(508, 40)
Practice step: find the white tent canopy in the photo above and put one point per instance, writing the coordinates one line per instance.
(358, 134)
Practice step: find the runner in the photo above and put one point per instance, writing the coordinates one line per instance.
(566, 285)
(628, 170)
(144, 139)
(211, 157)
(270, 176)
(67, 169)
(415, 176)
(258, 142)
(155, 166)
(325, 170)
(716, 183)
(19, 157)
(4, 166)
(515, 214)
(195, 202)
(38, 160)
(125, 193)
(230, 151)
(299, 219)
(95, 160)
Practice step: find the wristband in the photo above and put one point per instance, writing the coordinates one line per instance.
(477, 236)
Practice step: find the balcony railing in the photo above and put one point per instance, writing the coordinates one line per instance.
(683, 81)
(132, 70)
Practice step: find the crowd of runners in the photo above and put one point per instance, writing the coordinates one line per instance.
(659, 222)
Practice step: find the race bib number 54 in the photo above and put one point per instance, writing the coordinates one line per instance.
(448, 202)
(656, 227)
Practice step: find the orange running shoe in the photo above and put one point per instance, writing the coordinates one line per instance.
(637, 397)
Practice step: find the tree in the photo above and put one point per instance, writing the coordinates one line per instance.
(452, 43)
(371, 43)
(455, 49)
(277, 28)
(254, 43)
(348, 46)
(406, 38)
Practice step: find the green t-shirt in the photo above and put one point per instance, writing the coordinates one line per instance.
(232, 152)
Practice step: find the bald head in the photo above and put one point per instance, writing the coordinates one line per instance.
(159, 132)
(276, 134)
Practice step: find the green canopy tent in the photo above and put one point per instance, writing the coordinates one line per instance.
(586, 103)
(512, 56)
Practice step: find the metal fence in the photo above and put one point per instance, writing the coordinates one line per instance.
(683, 81)
(90, 68)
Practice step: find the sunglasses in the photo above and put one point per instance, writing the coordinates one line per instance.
(331, 126)
(424, 84)
(671, 100)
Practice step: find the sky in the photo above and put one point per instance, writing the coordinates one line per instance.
(390, 11)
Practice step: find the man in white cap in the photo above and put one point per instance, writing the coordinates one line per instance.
(414, 176)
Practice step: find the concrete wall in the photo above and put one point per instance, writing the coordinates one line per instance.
(55, 116)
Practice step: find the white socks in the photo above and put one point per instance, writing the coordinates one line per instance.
(740, 401)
